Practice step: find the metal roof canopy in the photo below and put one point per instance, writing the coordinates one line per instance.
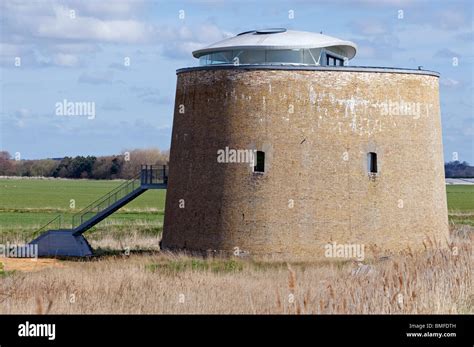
(278, 39)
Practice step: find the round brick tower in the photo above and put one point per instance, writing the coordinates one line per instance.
(283, 158)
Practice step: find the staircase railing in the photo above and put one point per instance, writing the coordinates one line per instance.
(148, 176)
(54, 223)
(154, 175)
(105, 201)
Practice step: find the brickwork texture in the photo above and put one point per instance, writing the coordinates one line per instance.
(316, 129)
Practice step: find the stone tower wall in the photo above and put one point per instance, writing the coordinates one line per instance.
(316, 128)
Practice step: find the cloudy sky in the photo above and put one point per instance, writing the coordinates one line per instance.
(122, 55)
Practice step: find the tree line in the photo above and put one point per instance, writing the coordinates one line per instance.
(127, 165)
(457, 169)
(124, 166)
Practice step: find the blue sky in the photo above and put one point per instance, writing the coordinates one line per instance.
(80, 55)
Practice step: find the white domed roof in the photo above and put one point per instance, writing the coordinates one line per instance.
(278, 39)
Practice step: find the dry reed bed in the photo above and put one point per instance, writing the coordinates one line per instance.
(434, 281)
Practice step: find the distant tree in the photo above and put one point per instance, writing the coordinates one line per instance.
(126, 165)
(7, 167)
(62, 170)
(101, 169)
(457, 169)
(81, 167)
(24, 168)
(44, 167)
(138, 157)
(107, 168)
(4, 155)
(116, 167)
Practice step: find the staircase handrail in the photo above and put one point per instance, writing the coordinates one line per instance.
(103, 198)
(36, 232)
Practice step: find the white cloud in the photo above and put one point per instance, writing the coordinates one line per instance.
(451, 19)
(75, 48)
(67, 60)
(151, 95)
(426, 43)
(210, 33)
(181, 43)
(446, 53)
(107, 9)
(62, 26)
(180, 50)
(449, 82)
(111, 105)
(46, 34)
(19, 118)
(97, 77)
(10, 49)
(57, 36)
(369, 27)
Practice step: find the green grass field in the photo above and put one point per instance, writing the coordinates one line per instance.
(26, 205)
(460, 197)
(461, 204)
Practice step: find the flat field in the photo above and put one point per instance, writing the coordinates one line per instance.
(28, 204)
(146, 280)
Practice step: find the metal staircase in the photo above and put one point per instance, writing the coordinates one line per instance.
(71, 242)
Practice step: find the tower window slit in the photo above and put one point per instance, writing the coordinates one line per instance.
(260, 162)
(372, 162)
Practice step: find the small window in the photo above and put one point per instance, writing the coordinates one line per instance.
(372, 162)
(260, 163)
(333, 61)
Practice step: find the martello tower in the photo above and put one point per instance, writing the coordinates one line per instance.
(343, 154)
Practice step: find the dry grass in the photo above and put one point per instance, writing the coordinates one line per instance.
(434, 281)
(131, 240)
(29, 265)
